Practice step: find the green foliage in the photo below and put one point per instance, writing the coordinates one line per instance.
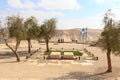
(31, 29)
(76, 53)
(47, 52)
(48, 29)
(111, 35)
(23, 30)
(15, 27)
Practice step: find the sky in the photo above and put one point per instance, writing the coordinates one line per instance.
(69, 13)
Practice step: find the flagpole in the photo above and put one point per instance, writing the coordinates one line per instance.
(83, 33)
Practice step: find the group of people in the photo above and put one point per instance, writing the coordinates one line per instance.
(60, 40)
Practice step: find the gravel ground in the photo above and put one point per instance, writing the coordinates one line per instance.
(32, 70)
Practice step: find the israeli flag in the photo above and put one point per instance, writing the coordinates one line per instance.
(83, 31)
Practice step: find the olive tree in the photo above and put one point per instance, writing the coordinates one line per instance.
(110, 38)
(14, 30)
(31, 31)
(48, 30)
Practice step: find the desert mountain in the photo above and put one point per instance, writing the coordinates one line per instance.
(74, 34)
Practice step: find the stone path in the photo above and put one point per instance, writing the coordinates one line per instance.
(58, 62)
(38, 59)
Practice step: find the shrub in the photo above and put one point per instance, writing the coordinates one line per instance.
(76, 53)
(47, 53)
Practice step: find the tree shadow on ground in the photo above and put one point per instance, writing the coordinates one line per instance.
(80, 76)
(6, 54)
(97, 75)
(9, 61)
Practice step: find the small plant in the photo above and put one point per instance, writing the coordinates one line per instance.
(76, 53)
(47, 52)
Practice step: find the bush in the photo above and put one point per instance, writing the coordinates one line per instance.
(76, 53)
(47, 53)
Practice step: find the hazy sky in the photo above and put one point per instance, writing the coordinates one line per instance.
(69, 13)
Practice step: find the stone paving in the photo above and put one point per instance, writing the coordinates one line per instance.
(59, 62)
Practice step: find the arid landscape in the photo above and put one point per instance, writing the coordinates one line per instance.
(36, 68)
(74, 34)
(59, 39)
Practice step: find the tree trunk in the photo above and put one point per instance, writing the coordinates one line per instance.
(109, 61)
(14, 51)
(17, 56)
(47, 45)
(17, 45)
(29, 46)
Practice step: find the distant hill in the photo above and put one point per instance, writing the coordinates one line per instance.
(74, 34)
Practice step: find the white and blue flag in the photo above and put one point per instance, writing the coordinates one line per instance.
(83, 31)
